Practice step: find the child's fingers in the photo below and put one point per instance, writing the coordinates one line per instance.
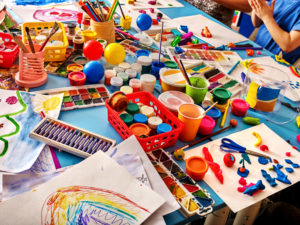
(273, 4)
(256, 4)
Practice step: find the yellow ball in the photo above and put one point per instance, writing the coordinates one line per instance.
(114, 53)
(179, 154)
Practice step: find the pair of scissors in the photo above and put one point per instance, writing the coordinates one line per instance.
(229, 145)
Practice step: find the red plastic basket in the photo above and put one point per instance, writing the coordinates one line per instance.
(153, 142)
(8, 58)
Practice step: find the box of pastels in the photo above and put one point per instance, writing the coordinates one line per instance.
(153, 124)
(9, 51)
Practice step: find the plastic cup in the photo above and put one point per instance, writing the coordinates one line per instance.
(196, 167)
(156, 66)
(126, 22)
(198, 89)
(191, 116)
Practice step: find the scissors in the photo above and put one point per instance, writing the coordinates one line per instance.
(229, 145)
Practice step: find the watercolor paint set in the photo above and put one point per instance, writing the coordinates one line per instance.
(78, 97)
(69, 138)
(131, 47)
(191, 197)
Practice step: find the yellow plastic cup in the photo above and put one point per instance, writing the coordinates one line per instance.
(191, 116)
(126, 23)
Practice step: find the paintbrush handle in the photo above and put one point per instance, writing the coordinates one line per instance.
(30, 41)
(19, 43)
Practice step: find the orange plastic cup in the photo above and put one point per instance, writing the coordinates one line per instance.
(191, 116)
(196, 167)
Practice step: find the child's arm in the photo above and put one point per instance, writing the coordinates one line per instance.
(241, 5)
(286, 41)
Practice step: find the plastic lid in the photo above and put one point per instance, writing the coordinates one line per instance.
(123, 75)
(137, 67)
(148, 78)
(132, 108)
(135, 82)
(173, 99)
(131, 73)
(171, 64)
(154, 121)
(116, 81)
(127, 118)
(144, 60)
(140, 129)
(207, 122)
(110, 73)
(71, 25)
(163, 128)
(142, 52)
(147, 111)
(118, 69)
(126, 90)
(221, 94)
(124, 65)
(214, 113)
(140, 118)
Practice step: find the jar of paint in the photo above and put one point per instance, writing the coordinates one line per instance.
(239, 107)
(102, 42)
(70, 39)
(127, 118)
(71, 28)
(155, 56)
(147, 111)
(124, 77)
(131, 73)
(146, 63)
(116, 83)
(124, 65)
(76, 78)
(74, 67)
(147, 82)
(135, 84)
(137, 67)
(173, 99)
(196, 167)
(198, 89)
(214, 113)
(108, 74)
(140, 129)
(86, 22)
(206, 126)
(156, 66)
(118, 101)
(221, 95)
(132, 108)
(142, 52)
(163, 128)
(118, 69)
(78, 42)
(171, 64)
(125, 22)
(172, 80)
(140, 118)
(126, 90)
(154, 121)
(88, 35)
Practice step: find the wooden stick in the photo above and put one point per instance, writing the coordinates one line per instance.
(29, 40)
(19, 42)
(210, 108)
(185, 73)
(181, 70)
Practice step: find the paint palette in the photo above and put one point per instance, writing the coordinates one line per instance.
(69, 138)
(191, 197)
(131, 47)
(78, 97)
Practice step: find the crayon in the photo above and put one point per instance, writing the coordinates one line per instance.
(83, 142)
(234, 66)
(45, 128)
(56, 134)
(65, 131)
(50, 134)
(106, 147)
(78, 142)
(68, 139)
(73, 141)
(96, 146)
(58, 127)
(41, 127)
(101, 146)
(87, 144)
(67, 136)
(46, 133)
(90, 148)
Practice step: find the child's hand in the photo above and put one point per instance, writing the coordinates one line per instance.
(261, 8)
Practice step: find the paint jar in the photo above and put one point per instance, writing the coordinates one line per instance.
(71, 28)
(137, 67)
(88, 35)
(135, 84)
(74, 68)
(156, 66)
(173, 99)
(116, 83)
(196, 167)
(147, 82)
(198, 89)
(154, 121)
(86, 22)
(132, 108)
(191, 116)
(105, 30)
(70, 39)
(40, 39)
(147, 111)
(163, 128)
(140, 129)
(118, 101)
(108, 74)
(214, 113)
(124, 77)
(126, 22)
(78, 42)
(140, 118)
(102, 42)
(118, 69)
(124, 65)
(77, 78)
(145, 62)
(221, 95)
(239, 107)
(171, 64)
(142, 52)
(172, 80)
(206, 126)
(131, 73)
(155, 56)
(126, 90)
(127, 118)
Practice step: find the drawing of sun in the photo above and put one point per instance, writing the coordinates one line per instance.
(47, 103)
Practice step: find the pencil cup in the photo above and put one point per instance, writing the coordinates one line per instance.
(105, 30)
(198, 89)
(31, 68)
(126, 22)
(191, 116)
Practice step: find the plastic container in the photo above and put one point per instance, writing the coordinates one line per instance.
(142, 52)
(102, 42)
(146, 63)
(196, 167)
(173, 99)
(52, 53)
(154, 142)
(78, 42)
(116, 83)
(147, 111)
(155, 68)
(221, 95)
(140, 130)
(214, 113)
(147, 82)
(88, 35)
(126, 22)
(155, 56)
(127, 118)
(105, 30)
(140, 118)
(171, 64)
(118, 69)
(108, 74)
(131, 73)
(132, 108)
(163, 128)
(77, 78)
(71, 28)
(135, 84)
(239, 107)
(206, 126)
(126, 90)
(137, 67)
(198, 89)
(172, 80)
(124, 65)
(154, 121)
(124, 77)
(7, 58)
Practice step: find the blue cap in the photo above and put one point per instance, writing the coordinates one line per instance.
(140, 118)
(214, 113)
(142, 52)
(163, 128)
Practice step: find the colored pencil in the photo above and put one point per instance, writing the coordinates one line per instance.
(234, 66)
(110, 10)
(113, 10)
(127, 34)
(121, 11)
(92, 12)
(101, 11)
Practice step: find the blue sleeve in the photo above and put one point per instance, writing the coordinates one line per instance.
(296, 26)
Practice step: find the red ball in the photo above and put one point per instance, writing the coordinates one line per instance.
(229, 159)
(93, 50)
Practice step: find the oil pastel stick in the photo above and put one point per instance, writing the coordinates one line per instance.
(64, 134)
(83, 142)
(73, 141)
(57, 133)
(106, 147)
(41, 127)
(87, 144)
(79, 141)
(90, 148)
(52, 131)
(69, 138)
(45, 128)
(46, 133)
(96, 146)
(101, 146)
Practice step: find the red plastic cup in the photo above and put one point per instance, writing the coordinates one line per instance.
(206, 126)
(239, 107)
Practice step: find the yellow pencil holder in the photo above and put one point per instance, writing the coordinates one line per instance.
(105, 30)
(126, 22)
(88, 35)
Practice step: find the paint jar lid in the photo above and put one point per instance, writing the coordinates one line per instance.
(140, 118)
(118, 69)
(173, 99)
(207, 125)
(127, 118)
(116, 81)
(140, 129)
(123, 75)
(124, 65)
(221, 95)
(126, 90)
(154, 121)
(163, 128)
(148, 78)
(135, 82)
(144, 60)
(137, 67)
(132, 108)
(214, 113)
(154, 56)
(131, 73)
(142, 52)
(110, 73)
(147, 111)
(171, 64)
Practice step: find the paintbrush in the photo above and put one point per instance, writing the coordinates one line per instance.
(122, 11)
(209, 108)
(181, 70)
(29, 40)
(17, 40)
(89, 3)
(52, 32)
(101, 11)
(185, 73)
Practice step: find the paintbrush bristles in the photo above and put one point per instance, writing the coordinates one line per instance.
(52, 32)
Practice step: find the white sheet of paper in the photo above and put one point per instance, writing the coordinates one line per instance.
(97, 190)
(235, 200)
(159, 4)
(44, 162)
(132, 146)
(220, 34)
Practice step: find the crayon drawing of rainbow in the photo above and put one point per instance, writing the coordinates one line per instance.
(89, 205)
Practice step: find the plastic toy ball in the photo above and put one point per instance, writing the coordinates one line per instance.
(93, 50)
(94, 71)
(144, 22)
(229, 159)
(114, 53)
(179, 154)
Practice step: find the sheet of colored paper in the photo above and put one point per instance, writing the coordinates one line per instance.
(221, 35)
(235, 200)
(97, 190)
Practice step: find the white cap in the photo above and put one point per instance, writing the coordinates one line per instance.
(154, 121)
(137, 67)
(131, 73)
(124, 65)
(116, 81)
(144, 60)
(148, 78)
(154, 56)
(118, 69)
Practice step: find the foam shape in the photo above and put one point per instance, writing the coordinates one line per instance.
(253, 189)
(288, 161)
(295, 165)
(268, 177)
